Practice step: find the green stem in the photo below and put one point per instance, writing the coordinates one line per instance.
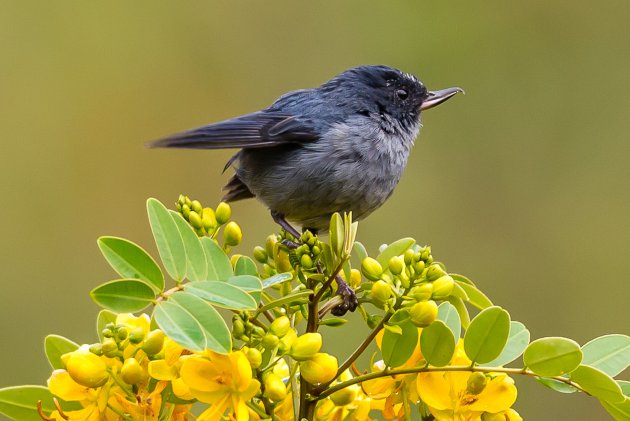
(387, 373)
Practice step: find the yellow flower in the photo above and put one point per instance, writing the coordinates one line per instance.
(224, 381)
(93, 400)
(448, 396)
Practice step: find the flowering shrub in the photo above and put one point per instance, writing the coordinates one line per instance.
(182, 361)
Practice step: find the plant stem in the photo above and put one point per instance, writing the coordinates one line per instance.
(387, 373)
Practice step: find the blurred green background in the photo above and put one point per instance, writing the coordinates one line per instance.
(522, 184)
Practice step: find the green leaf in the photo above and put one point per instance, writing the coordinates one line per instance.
(131, 261)
(20, 402)
(337, 236)
(193, 323)
(196, 265)
(104, 317)
(552, 356)
(459, 292)
(394, 249)
(222, 294)
(359, 252)
(249, 284)
(397, 348)
(298, 297)
(516, 344)
(400, 316)
(437, 343)
(449, 315)
(609, 353)
(556, 385)
(167, 238)
(619, 411)
(625, 387)
(462, 279)
(245, 266)
(55, 346)
(487, 335)
(219, 266)
(598, 384)
(123, 295)
(333, 322)
(393, 329)
(464, 317)
(276, 279)
(475, 297)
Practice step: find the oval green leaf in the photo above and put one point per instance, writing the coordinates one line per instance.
(449, 315)
(298, 297)
(396, 248)
(221, 294)
(123, 295)
(196, 265)
(219, 266)
(515, 346)
(167, 238)
(459, 305)
(336, 232)
(250, 284)
(475, 297)
(437, 343)
(487, 335)
(598, 384)
(397, 348)
(55, 346)
(609, 353)
(619, 411)
(277, 279)
(131, 261)
(245, 266)
(552, 356)
(193, 323)
(359, 253)
(556, 385)
(20, 402)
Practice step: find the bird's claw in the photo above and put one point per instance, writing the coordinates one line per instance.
(348, 296)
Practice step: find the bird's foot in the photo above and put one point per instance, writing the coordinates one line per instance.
(348, 296)
(281, 220)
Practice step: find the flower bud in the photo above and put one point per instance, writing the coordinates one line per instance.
(418, 266)
(96, 349)
(499, 416)
(136, 335)
(421, 292)
(185, 211)
(223, 213)
(196, 206)
(154, 342)
(321, 368)
(476, 383)
(380, 292)
(232, 234)
(306, 346)
(87, 369)
(131, 371)
(409, 256)
(274, 387)
(434, 272)
(208, 220)
(345, 396)
(260, 254)
(109, 345)
(373, 320)
(371, 269)
(396, 265)
(423, 313)
(306, 262)
(238, 328)
(280, 326)
(355, 278)
(442, 287)
(270, 341)
(281, 259)
(254, 357)
(270, 244)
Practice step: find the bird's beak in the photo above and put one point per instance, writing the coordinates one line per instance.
(438, 97)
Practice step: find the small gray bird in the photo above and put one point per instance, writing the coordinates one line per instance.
(340, 147)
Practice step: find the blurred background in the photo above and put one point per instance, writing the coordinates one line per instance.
(522, 184)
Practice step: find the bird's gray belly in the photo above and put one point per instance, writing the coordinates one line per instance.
(308, 183)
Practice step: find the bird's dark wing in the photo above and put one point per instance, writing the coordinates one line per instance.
(256, 130)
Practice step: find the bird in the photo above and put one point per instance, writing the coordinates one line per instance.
(339, 147)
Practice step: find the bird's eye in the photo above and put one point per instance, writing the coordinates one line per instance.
(402, 94)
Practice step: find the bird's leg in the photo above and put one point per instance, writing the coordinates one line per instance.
(348, 296)
(280, 220)
(346, 293)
